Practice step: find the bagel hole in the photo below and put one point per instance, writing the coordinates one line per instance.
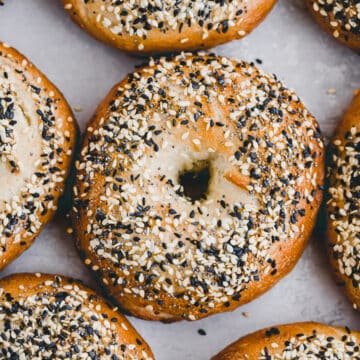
(195, 181)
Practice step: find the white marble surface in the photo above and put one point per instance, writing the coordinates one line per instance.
(290, 45)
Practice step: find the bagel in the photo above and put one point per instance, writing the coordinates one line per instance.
(295, 341)
(50, 316)
(340, 18)
(197, 187)
(165, 26)
(344, 202)
(37, 138)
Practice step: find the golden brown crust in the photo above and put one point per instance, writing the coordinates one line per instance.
(275, 257)
(38, 135)
(102, 24)
(340, 18)
(322, 341)
(343, 233)
(36, 291)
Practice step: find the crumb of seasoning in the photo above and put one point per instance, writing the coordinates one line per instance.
(202, 332)
(78, 108)
(258, 61)
(331, 91)
(245, 314)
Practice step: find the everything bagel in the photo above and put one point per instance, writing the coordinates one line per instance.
(197, 188)
(154, 26)
(295, 341)
(344, 202)
(53, 317)
(37, 138)
(340, 18)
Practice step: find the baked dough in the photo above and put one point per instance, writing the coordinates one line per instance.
(154, 26)
(340, 18)
(37, 138)
(197, 188)
(51, 316)
(308, 341)
(344, 202)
